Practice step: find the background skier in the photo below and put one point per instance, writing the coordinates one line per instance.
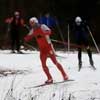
(16, 23)
(81, 33)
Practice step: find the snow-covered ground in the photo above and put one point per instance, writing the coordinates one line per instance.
(19, 73)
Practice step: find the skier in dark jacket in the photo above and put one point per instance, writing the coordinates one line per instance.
(81, 33)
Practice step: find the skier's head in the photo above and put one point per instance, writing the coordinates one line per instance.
(78, 20)
(33, 21)
(17, 14)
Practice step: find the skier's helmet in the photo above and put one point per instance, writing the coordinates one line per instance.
(78, 19)
(16, 13)
(33, 19)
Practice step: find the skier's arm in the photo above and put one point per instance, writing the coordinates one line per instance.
(29, 36)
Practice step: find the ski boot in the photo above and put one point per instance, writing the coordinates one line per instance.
(91, 62)
(65, 77)
(13, 51)
(49, 81)
(20, 52)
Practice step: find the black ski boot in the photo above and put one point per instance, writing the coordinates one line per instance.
(13, 51)
(20, 52)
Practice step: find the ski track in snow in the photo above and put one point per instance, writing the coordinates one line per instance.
(20, 71)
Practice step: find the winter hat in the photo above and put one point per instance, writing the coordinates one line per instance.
(16, 13)
(33, 19)
(78, 19)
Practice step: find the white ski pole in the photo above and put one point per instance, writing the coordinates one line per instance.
(68, 39)
(93, 39)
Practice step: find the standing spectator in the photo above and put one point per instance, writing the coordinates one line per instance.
(51, 22)
(41, 33)
(48, 20)
(16, 23)
(81, 33)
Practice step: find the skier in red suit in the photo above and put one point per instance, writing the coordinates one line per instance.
(41, 32)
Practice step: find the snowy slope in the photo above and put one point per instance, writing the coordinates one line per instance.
(19, 73)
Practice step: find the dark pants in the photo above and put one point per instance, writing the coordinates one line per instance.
(15, 41)
(80, 54)
(83, 42)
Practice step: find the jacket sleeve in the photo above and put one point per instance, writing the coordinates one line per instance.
(46, 30)
(29, 36)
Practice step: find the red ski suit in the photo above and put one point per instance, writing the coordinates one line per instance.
(46, 49)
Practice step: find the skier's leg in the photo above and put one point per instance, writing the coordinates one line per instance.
(90, 56)
(43, 58)
(80, 58)
(59, 66)
(12, 43)
(18, 43)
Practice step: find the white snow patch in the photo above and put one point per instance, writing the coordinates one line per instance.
(85, 87)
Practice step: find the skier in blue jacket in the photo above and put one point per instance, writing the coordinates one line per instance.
(48, 20)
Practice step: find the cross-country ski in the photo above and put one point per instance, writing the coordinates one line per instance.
(54, 83)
